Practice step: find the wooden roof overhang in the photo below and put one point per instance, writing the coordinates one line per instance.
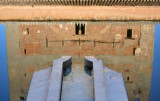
(79, 13)
(83, 2)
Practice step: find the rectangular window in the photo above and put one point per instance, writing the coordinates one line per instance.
(134, 51)
(129, 33)
(77, 28)
(25, 51)
(27, 30)
(82, 29)
(128, 78)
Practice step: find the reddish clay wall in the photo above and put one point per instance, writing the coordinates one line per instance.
(32, 46)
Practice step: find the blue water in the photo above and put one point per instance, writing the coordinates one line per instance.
(4, 86)
(155, 86)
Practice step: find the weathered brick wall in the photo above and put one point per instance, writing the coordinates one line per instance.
(106, 39)
(33, 46)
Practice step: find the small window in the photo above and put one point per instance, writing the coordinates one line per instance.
(129, 33)
(134, 51)
(128, 78)
(46, 42)
(25, 51)
(82, 29)
(77, 28)
(27, 30)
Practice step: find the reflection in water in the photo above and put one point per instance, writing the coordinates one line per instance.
(77, 86)
(88, 70)
(67, 70)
